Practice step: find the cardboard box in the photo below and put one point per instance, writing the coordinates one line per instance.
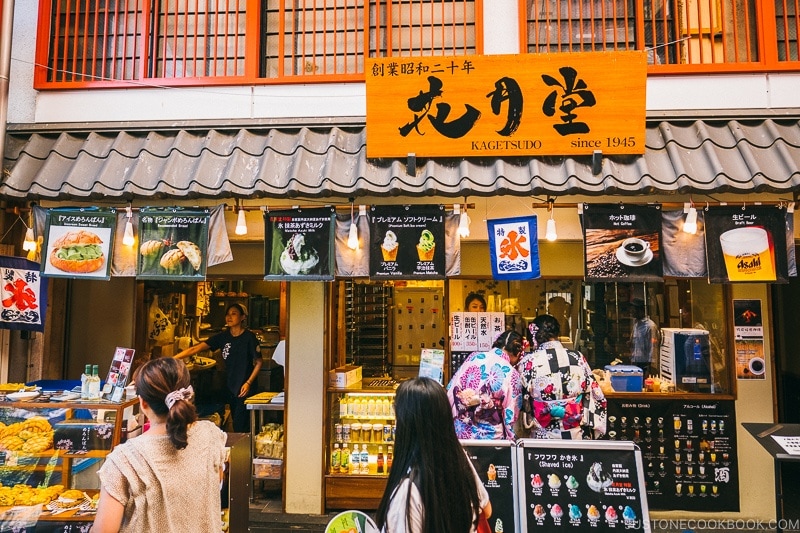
(267, 468)
(626, 378)
(344, 376)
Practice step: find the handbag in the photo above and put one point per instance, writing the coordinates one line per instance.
(483, 523)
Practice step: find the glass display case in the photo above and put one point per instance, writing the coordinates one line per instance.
(361, 431)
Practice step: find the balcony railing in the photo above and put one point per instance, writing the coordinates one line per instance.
(119, 43)
(680, 36)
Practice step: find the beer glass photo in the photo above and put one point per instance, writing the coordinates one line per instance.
(748, 255)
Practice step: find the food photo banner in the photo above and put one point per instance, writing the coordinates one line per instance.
(298, 244)
(622, 242)
(506, 105)
(748, 343)
(514, 248)
(78, 242)
(746, 243)
(407, 242)
(173, 243)
(23, 294)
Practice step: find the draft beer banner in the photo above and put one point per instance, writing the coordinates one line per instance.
(622, 242)
(506, 105)
(173, 243)
(298, 244)
(23, 293)
(514, 248)
(746, 243)
(78, 242)
(407, 242)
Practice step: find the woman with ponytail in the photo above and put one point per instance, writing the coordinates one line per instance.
(168, 479)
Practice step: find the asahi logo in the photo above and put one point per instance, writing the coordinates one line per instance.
(749, 262)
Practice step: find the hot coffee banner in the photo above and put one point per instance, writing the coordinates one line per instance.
(78, 242)
(622, 242)
(746, 243)
(407, 242)
(298, 244)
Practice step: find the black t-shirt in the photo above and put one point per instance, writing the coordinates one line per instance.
(239, 353)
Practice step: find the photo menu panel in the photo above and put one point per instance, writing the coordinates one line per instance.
(582, 485)
(688, 450)
(495, 464)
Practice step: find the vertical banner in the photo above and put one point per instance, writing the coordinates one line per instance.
(622, 242)
(298, 244)
(514, 248)
(23, 293)
(746, 243)
(173, 243)
(495, 463)
(748, 328)
(407, 241)
(78, 242)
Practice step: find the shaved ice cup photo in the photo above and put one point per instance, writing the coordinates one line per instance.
(747, 254)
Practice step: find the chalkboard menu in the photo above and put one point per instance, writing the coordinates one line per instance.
(688, 450)
(495, 463)
(581, 485)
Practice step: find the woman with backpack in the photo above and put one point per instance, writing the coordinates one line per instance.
(560, 397)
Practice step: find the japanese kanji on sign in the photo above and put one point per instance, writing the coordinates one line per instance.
(507, 105)
(298, 244)
(514, 248)
(23, 293)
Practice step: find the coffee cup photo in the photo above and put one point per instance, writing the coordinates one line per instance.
(757, 366)
(635, 248)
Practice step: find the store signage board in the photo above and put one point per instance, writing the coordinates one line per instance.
(507, 105)
(514, 248)
(173, 243)
(298, 244)
(23, 295)
(495, 462)
(78, 242)
(118, 374)
(622, 242)
(688, 448)
(407, 241)
(746, 243)
(748, 340)
(582, 485)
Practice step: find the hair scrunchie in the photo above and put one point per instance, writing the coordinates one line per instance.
(185, 393)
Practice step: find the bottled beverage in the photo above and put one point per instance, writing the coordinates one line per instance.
(389, 460)
(355, 460)
(87, 373)
(371, 406)
(364, 459)
(343, 407)
(344, 462)
(380, 460)
(94, 384)
(336, 458)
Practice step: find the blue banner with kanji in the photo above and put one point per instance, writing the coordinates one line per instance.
(23, 293)
(514, 248)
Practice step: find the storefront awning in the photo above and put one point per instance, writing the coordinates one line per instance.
(684, 156)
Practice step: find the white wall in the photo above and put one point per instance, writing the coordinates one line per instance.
(706, 92)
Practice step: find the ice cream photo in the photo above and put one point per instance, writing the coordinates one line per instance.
(426, 246)
(389, 246)
(296, 258)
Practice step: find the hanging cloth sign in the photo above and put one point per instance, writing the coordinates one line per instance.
(173, 243)
(23, 293)
(746, 243)
(298, 244)
(407, 242)
(622, 242)
(514, 248)
(78, 242)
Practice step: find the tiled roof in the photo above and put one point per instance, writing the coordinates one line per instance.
(749, 155)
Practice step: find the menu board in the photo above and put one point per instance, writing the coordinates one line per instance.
(688, 449)
(78, 242)
(583, 485)
(407, 242)
(495, 463)
(298, 244)
(173, 243)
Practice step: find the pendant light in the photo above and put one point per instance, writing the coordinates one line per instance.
(550, 231)
(690, 224)
(29, 244)
(463, 220)
(128, 238)
(352, 237)
(241, 222)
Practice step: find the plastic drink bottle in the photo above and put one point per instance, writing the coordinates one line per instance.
(355, 460)
(94, 384)
(364, 459)
(87, 373)
(380, 460)
(336, 458)
(344, 462)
